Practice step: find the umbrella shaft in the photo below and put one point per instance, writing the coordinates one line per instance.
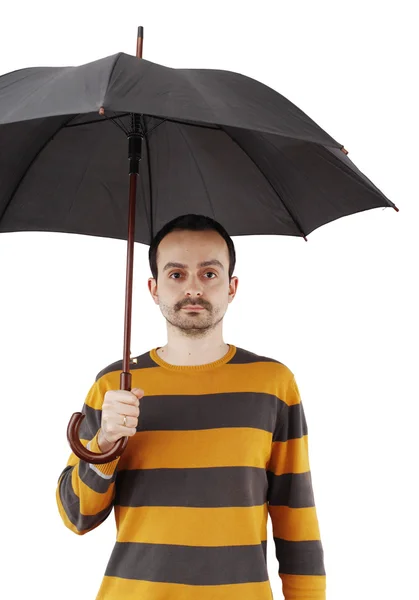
(125, 375)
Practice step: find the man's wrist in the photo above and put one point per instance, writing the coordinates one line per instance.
(103, 444)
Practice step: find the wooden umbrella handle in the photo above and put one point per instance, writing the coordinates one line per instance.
(134, 155)
(85, 454)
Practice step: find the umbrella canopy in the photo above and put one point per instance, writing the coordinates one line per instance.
(201, 141)
(214, 142)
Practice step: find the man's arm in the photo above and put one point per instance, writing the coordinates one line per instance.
(291, 502)
(85, 492)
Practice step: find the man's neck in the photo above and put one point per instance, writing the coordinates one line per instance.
(190, 356)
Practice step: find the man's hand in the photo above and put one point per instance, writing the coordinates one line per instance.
(116, 405)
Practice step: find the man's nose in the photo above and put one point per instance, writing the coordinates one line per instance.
(193, 287)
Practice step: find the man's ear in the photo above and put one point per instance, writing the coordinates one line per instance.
(234, 282)
(152, 286)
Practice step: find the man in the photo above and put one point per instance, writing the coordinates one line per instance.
(217, 440)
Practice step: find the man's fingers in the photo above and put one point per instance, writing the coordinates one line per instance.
(128, 410)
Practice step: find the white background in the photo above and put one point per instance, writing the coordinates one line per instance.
(343, 307)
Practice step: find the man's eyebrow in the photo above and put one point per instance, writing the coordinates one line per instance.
(205, 263)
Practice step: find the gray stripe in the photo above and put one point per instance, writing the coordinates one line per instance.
(291, 423)
(207, 487)
(207, 411)
(197, 411)
(290, 489)
(189, 565)
(300, 558)
(91, 422)
(144, 361)
(246, 357)
(71, 504)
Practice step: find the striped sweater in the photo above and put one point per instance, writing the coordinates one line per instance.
(218, 447)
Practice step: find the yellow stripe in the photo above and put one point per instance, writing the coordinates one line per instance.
(229, 446)
(192, 526)
(115, 588)
(268, 377)
(290, 457)
(309, 587)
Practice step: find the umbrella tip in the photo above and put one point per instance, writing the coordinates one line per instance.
(140, 37)
(395, 208)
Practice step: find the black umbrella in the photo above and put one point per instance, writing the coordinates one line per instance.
(202, 141)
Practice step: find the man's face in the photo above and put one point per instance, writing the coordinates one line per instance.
(205, 286)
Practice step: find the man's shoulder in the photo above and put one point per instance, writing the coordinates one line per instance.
(143, 361)
(243, 356)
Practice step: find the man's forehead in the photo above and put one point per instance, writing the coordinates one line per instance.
(191, 236)
(193, 249)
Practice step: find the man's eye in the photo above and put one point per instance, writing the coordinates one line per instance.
(177, 273)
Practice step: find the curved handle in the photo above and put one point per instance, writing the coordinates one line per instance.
(85, 454)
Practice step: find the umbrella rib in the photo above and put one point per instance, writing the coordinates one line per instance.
(94, 121)
(153, 128)
(199, 170)
(181, 122)
(12, 195)
(266, 179)
(354, 173)
(120, 125)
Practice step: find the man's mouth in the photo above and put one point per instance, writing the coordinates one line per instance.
(193, 308)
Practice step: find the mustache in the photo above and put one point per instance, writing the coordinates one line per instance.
(193, 304)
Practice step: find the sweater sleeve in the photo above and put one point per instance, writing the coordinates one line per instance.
(85, 492)
(291, 503)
